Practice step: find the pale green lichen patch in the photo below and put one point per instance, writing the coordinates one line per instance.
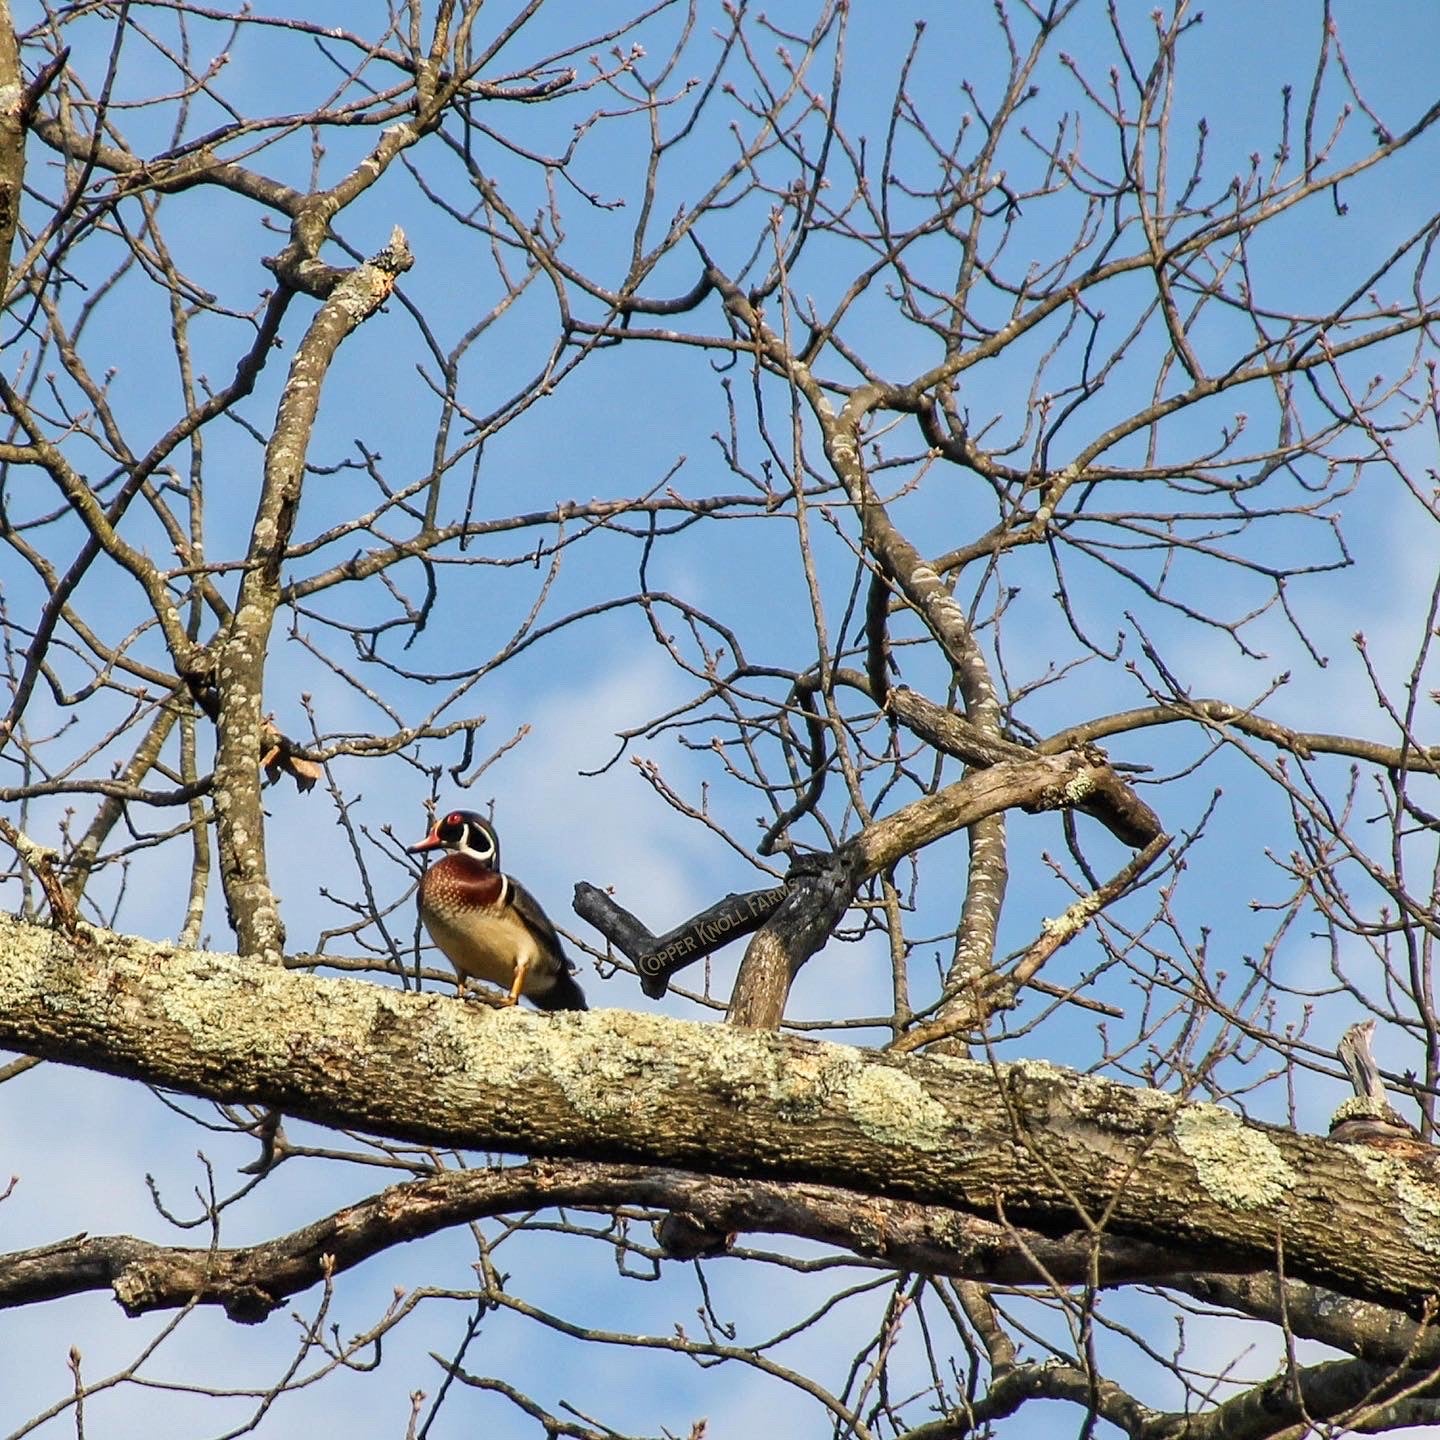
(1237, 1166)
(603, 1065)
(204, 1009)
(1074, 919)
(1416, 1191)
(1154, 1101)
(961, 1066)
(806, 1082)
(745, 1067)
(1352, 1106)
(1040, 1070)
(1362, 1107)
(1119, 1108)
(450, 1052)
(892, 1108)
(740, 1066)
(506, 1046)
(603, 1079)
(32, 947)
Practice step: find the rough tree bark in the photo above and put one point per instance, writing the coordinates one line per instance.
(12, 139)
(1027, 1142)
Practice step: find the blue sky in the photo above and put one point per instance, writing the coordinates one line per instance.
(617, 427)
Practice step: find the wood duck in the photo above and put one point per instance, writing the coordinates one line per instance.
(487, 924)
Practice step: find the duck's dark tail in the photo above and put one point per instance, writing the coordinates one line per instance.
(564, 994)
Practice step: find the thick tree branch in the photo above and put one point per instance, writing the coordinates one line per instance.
(657, 957)
(12, 139)
(798, 917)
(768, 968)
(1348, 1393)
(1112, 802)
(1367, 1331)
(1222, 714)
(166, 174)
(251, 1282)
(616, 1086)
(1344, 1391)
(241, 654)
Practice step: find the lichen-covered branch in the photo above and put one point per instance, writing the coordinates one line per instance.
(12, 139)
(241, 654)
(616, 1086)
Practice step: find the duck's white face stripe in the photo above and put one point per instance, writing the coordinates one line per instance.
(477, 843)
